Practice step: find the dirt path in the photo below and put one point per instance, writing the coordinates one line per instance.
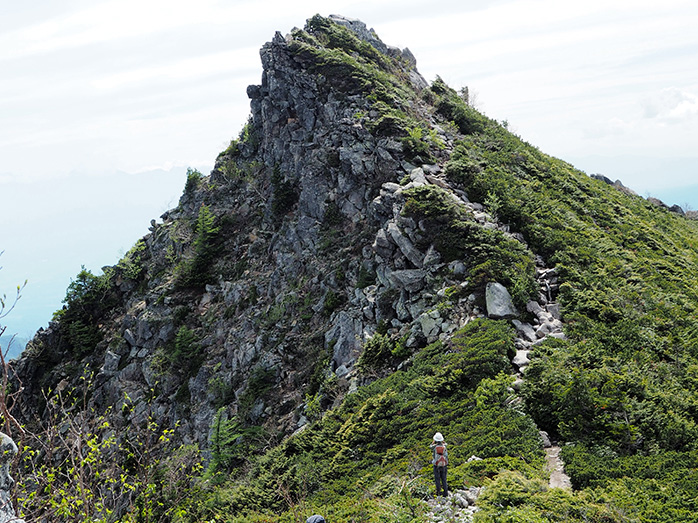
(558, 478)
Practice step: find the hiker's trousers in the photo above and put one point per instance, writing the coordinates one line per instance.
(440, 480)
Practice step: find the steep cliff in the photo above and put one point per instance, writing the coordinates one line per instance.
(375, 259)
(273, 270)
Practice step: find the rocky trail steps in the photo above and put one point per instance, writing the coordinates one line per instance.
(460, 505)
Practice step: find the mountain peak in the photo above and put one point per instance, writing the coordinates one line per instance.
(372, 260)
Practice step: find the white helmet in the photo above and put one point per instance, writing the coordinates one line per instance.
(438, 437)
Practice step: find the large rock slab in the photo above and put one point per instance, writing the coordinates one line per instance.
(412, 280)
(405, 245)
(499, 302)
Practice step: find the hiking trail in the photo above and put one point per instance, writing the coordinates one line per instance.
(555, 465)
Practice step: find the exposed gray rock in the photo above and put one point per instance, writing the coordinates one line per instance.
(432, 258)
(554, 310)
(405, 246)
(533, 307)
(8, 451)
(657, 202)
(525, 330)
(499, 302)
(431, 326)
(417, 176)
(129, 337)
(383, 246)
(401, 307)
(473, 492)
(346, 334)
(602, 178)
(416, 306)
(111, 362)
(412, 280)
(458, 268)
(364, 33)
(521, 358)
(548, 327)
(677, 209)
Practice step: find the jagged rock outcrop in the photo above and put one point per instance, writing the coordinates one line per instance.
(296, 199)
(309, 250)
(329, 221)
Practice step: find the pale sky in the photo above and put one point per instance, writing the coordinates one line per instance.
(105, 103)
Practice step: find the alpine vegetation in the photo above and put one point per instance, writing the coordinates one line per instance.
(372, 266)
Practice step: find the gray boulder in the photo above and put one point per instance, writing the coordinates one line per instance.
(525, 330)
(345, 332)
(499, 302)
(405, 245)
(412, 280)
(521, 358)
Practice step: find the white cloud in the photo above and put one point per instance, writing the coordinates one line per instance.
(196, 67)
(104, 21)
(671, 105)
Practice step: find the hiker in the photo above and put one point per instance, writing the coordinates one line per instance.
(440, 462)
(315, 519)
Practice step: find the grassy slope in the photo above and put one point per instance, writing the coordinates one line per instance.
(622, 388)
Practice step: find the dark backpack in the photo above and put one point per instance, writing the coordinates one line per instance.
(441, 459)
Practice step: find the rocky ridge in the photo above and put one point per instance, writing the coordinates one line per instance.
(312, 140)
(314, 255)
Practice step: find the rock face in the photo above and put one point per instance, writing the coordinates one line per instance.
(305, 203)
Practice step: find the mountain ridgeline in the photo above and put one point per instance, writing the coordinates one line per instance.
(370, 261)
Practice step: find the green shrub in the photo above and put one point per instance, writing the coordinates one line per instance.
(131, 265)
(194, 178)
(87, 298)
(187, 354)
(489, 254)
(333, 300)
(417, 145)
(195, 271)
(365, 278)
(452, 107)
(377, 352)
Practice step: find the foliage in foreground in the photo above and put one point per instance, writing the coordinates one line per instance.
(76, 466)
(368, 460)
